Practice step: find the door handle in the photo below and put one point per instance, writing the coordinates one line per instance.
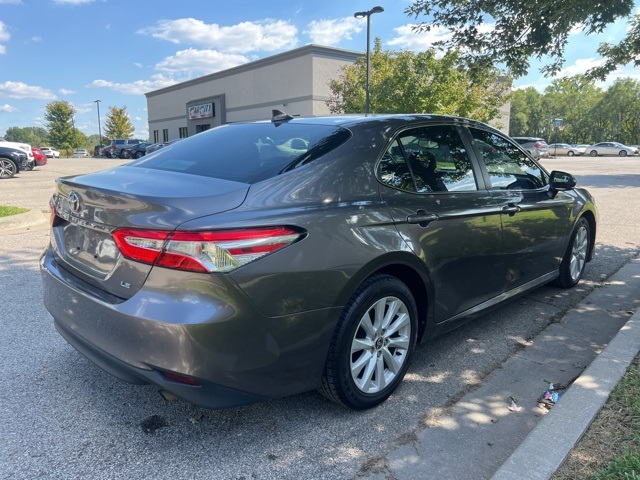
(422, 218)
(511, 209)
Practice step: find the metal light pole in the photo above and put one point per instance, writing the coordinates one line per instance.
(368, 15)
(97, 102)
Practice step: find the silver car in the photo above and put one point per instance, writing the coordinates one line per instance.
(610, 148)
(536, 146)
(262, 259)
(565, 149)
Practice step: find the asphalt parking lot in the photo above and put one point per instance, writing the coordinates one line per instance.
(62, 417)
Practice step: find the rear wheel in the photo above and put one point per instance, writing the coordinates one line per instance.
(623, 153)
(575, 258)
(139, 154)
(372, 344)
(570, 153)
(7, 168)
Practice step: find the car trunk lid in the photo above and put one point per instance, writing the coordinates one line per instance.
(90, 207)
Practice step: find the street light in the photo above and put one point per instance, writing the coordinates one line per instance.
(97, 102)
(368, 15)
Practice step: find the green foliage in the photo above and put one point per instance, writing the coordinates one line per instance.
(118, 124)
(6, 211)
(34, 136)
(408, 82)
(513, 32)
(589, 113)
(59, 117)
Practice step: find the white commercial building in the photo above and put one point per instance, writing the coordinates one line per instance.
(296, 82)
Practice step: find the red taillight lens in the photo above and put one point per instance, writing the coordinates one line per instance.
(538, 144)
(180, 378)
(221, 251)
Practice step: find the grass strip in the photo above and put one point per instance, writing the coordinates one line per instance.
(5, 210)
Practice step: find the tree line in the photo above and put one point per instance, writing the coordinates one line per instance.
(60, 130)
(588, 114)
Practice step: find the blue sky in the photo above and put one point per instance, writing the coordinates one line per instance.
(115, 50)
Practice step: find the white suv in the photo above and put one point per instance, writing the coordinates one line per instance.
(25, 147)
(50, 152)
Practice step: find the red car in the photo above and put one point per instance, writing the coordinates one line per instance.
(39, 157)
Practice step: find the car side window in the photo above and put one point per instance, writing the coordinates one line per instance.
(508, 167)
(427, 160)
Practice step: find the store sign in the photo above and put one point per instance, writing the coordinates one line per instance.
(201, 111)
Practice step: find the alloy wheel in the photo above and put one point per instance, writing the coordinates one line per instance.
(381, 344)
(579, 253)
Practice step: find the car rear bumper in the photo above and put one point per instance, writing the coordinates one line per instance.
(211, 333)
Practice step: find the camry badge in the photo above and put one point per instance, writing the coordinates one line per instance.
(74, 202)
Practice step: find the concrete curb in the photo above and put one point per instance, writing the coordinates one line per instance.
(548, 444)
(23, 220)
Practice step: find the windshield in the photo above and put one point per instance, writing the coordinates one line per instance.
(246, 153)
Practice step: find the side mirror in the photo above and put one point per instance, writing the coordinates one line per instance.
(561, 180)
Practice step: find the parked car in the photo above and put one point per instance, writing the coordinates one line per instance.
(157, 146)
(11, 161)
(226, 274)
(537, 147)
(50, 152)
(135, 151)
(25, 147)
(610, 148)
(80, 152)
(39, 157)
(556, 149)
(97, 150)
(119, 144)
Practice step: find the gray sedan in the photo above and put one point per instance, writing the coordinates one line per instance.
(610, 148)
(263, 259)
(565, 149)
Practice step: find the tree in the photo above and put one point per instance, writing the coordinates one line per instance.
(59, 117)
(34, 136)
(117, 124)
(408, 82)
(512, 32)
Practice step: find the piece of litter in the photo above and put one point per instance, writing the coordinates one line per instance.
(514, 406)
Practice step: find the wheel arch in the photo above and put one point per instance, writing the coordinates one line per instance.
(407, 268)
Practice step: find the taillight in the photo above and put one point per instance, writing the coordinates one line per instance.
(220, 251)
(538, 144)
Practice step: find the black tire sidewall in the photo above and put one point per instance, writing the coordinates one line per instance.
(374, 289)
(565, 280)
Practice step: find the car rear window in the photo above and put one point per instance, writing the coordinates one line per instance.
(246, 153)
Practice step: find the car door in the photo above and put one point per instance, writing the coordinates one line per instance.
(535, 222)
(446, 216)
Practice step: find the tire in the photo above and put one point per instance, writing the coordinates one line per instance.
(139, 154)
(622, 153)
(124, 155)
(108, 155)
(7, 168)
(575, 258)
(29, 166)
(570, 153)
(369, 353)
(593, 153)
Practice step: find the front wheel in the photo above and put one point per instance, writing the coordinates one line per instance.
(593, 153)
(575, 258)
(570, 153)
(139, 154)
(623, 153)
(7, 168)
(372, 344)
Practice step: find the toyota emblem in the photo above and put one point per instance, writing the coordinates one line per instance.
(74, 202)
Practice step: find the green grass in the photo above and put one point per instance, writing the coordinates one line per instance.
(5, 211)
(610, 449)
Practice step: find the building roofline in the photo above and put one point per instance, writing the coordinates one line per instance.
(318, 50)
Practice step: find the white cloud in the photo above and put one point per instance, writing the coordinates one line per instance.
(8, 108)
(207, 61)
(332, 32)
(72, 2)
(36, 38)
(84, 107)
(580, 66)
(4, 37)
(22, 90)
(407, 38)
(11, 2)
(138, 87)
(64, 91)
(138, 64)
(267, 35)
